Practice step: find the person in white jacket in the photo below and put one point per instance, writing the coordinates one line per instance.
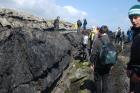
(85, 45)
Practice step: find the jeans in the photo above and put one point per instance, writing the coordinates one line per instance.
(101, 83)
(78, 29)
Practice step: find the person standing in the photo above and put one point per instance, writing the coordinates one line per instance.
(118, 35)
(122, 40)
(101, 72)
(56, 23)
(79, 24)
(133, 67)
(84, 24)
(92, 35)
(85, 39)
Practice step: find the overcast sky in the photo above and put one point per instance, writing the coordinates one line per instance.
(97, 12)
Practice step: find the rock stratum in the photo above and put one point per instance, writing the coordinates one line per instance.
(12, 19)
(31, 59)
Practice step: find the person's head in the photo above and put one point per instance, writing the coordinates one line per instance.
(119, 28)
(98, 28)
(134, 15)
(93, 27)
(103, 29)
(58, 17)
(84, 32)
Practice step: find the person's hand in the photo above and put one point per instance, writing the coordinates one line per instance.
(111, 67)
(129, 73)
(92, 67)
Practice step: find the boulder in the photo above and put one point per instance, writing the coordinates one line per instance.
(31, 60)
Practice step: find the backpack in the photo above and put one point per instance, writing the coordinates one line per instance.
(108, 54)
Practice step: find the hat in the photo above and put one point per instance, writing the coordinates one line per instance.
(103, 29)
(134, 10)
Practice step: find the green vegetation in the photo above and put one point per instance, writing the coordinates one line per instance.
(79, 73)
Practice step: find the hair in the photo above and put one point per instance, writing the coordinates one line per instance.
(103, 29)
(58, 17)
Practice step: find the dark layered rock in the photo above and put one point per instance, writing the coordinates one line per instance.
(31, 61)
(76, 42)
(13, 19)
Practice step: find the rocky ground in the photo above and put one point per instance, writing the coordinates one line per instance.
(79, 77)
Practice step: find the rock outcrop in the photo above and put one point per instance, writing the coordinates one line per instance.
(13, 19)
(31, 59)
(76, 43)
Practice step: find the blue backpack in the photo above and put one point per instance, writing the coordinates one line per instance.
(108, 54)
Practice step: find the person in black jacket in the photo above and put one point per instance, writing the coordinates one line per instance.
(79, 24)
(84, 24)
(56, 23)
(133, 67)
(101, 72)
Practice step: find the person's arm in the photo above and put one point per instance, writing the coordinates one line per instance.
(94, 52)
(135, 73)
(135, 77)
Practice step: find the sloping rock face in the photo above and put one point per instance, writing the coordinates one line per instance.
(75, 39)
(31, 61)
(13, 19)
(76, 42)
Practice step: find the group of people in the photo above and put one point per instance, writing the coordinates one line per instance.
(100, 37)
(119, 36)
(88, 38)
(79, 24)
(101, 72)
